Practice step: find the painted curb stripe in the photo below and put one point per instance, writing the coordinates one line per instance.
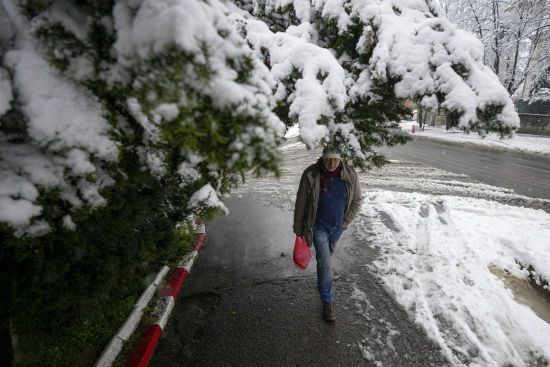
(111, 352)
(167, 311)
(200, 243)
(114, 347)
(190, 263)
(143, 351)
(174, 283)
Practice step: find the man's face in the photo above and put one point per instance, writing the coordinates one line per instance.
(331, 163)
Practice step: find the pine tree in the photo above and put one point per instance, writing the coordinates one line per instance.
(380, 55)
(120, 119)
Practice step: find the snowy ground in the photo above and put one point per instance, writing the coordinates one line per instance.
(524, 142)
(435, 250)
(435, 255)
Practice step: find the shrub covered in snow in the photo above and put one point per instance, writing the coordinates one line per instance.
(197, 89)
(171, 82)
(381, 52)
(142, 112)
(117, 120)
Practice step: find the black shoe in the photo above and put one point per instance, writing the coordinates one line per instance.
(328, 314)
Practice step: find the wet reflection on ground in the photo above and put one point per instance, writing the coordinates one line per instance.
(525, 293)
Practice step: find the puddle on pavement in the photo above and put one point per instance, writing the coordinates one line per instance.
(525, 293)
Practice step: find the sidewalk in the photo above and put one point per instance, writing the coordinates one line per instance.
(523, 142)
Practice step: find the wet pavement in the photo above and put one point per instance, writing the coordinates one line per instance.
(527, 174)
(245, 303)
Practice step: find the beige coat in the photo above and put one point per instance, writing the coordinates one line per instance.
(307, 199)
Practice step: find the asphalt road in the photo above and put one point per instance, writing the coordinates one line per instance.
(526, 174)
(246, 304)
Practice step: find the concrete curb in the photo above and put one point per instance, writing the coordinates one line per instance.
(143, 350)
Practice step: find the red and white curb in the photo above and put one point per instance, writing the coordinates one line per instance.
(143, 350)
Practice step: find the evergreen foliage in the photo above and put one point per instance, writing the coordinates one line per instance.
(378, 80)
(120, 119)
(70, 290)
(73, 280)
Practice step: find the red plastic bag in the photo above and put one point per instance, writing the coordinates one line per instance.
(302, 254)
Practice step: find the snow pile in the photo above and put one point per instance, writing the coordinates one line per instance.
(428, 180)
(436, 255)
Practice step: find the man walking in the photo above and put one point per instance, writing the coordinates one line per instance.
(329, 197)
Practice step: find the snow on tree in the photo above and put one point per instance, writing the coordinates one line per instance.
(387, 51)
(540, 86)
(117, 120)
(170, 80)
(200, 87)
(542, 95)
(515, 35)
(145, 111)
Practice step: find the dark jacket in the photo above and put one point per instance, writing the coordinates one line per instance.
(307, 198)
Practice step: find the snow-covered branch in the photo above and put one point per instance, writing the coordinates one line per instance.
(171, 83)
(308, 77)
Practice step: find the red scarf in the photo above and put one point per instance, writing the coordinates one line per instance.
(326, 175)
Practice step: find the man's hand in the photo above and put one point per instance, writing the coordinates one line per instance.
(344, 226)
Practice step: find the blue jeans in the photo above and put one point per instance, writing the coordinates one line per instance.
(324, 247)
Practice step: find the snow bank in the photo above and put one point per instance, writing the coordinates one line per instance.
(435, 257)
(522, 142)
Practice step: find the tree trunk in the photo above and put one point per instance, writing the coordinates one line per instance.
(496, 24)
(419, 116)
(432, 118)
(511, 88)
